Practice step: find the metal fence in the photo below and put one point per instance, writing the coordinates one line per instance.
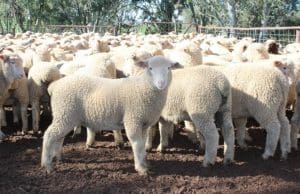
(284, 35)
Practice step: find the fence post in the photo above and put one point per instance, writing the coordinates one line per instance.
(175, 27)
(297, 36)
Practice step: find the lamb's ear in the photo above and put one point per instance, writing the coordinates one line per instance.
(277, 63)
(3, 57)
(9, 49)
(142, 64)
(59, 65)
(176, 65)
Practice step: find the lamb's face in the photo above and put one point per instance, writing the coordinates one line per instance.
(287, 67)
(158, 68)
(12, 67)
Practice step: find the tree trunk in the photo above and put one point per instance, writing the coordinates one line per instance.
(264, 21)
(191, 5)
(231, 8)
(17, 12)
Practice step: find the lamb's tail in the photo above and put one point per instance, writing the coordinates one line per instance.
(223, 117)
(224, 87)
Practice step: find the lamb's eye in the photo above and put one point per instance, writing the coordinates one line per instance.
(150, 68)
(169, 67)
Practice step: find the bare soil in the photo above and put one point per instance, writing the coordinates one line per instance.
(105, 169)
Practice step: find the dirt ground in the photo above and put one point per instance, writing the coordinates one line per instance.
(105, 169)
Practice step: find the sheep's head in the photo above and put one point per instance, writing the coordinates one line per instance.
(287, 67)
(11, 67)
(101, 46)
(158, 68)
(272, 46)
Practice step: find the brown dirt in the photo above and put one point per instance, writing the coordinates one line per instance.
(108, 170)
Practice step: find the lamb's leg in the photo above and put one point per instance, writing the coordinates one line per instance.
(16, 111)
(90, 139)
(58, 148)
(52, 143)
(211, 136)
(24, 118)
(119, 141)
(241, 131)
(285, 134)
(194, 136)
(294, 131)
(137, 138)
(191, 132)
(273, 132)
(166, 130)
(35, 109)
(77, 130)
(247, 136)
(3, 117)
(151, 132)
(227, 130)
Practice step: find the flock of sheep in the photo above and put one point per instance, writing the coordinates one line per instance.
(137, 82)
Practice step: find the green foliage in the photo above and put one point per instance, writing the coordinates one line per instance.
(23, 15)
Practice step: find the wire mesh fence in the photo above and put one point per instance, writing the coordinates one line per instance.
(283, 35)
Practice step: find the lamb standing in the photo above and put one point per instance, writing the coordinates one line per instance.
(99, 65)
(197, 94)
(39, 77)
(260, 92)
(132, 103)
(12, 78)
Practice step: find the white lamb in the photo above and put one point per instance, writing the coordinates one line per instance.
(260, 92)
(197, 94)
(186, 53)
(39, 77)
(256, 51)
(13, 83)
(104, 68)
(132, 103)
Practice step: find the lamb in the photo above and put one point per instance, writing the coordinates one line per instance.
(288, 69)
(260, 92)
(13, 82)
(134, 103)
(104, 68)
(71, 67)
(272, 46)
(238, 50)
(96, 46)
(187, 54)
(39, 77)
(292, 48)
(43, 51)
(218, 49)
(196, 94)
(255, 52)
(125, 61)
